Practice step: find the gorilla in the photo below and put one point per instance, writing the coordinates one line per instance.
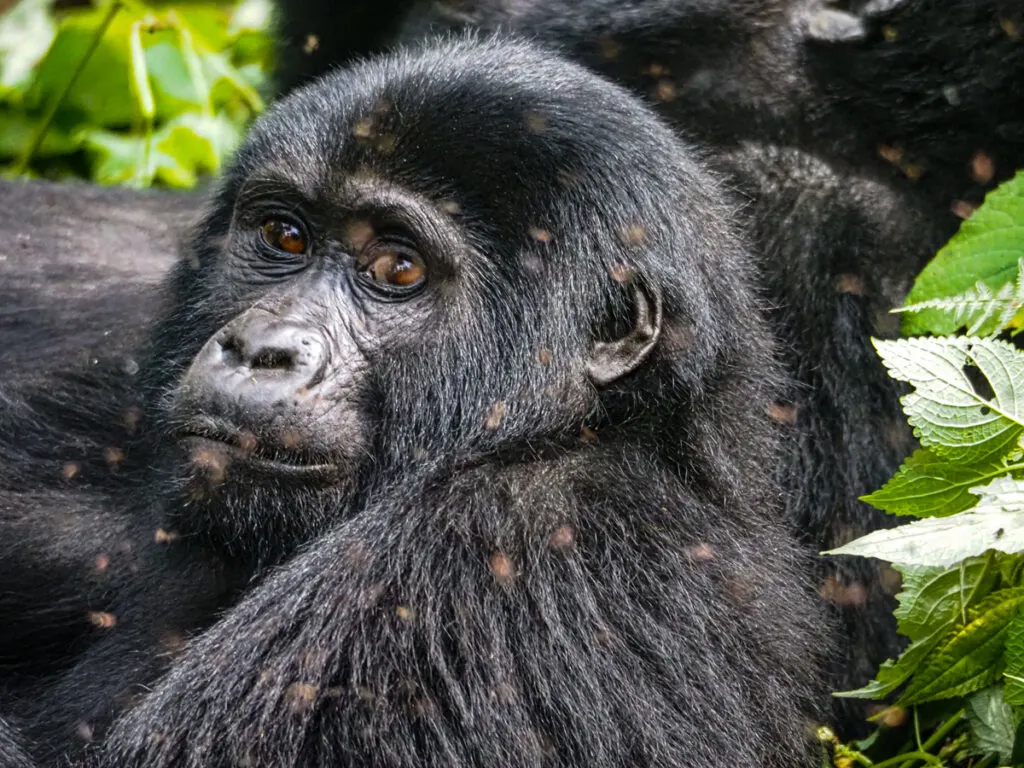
(858, 132)
(449, 449)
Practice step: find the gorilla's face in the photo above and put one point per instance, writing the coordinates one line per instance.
(373, 296)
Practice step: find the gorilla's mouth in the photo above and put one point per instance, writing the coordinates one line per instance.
(213, 445)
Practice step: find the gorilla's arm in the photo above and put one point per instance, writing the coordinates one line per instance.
(11, 753)
(370, 648)
(79, 272)
(79, 267)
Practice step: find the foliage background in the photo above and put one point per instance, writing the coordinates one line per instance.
(127, 92)
(960, 680)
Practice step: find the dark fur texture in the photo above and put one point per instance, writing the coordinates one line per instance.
(854, 129)
(12, 755)
(79, 266)
(517, 567)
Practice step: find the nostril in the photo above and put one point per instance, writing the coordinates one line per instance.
(237, 354)
(232, 353)
(270, 358)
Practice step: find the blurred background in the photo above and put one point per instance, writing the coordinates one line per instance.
(131, 93)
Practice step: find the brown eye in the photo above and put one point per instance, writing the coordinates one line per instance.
(395, 268)
(284, 236)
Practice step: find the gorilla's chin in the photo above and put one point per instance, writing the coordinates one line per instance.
(218, 455)
(220, 490)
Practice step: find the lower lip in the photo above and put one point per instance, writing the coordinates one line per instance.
(196, 443)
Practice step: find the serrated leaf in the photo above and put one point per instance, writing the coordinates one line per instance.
(931, 486)
(986, 249)
(981, 310)
(892, 674)
(992, 724)
(946, 409)
(997, 522)
(993, 600)
(934, 597)
(1014, 674)
(1011, 569)
(972, 658)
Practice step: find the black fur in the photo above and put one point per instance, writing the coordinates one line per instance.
(515, 566)
(854, 129)
(12, 755)
(78, 269)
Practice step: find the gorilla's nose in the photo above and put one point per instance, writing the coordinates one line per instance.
(257, 360)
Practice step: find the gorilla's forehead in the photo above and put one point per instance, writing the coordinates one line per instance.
(463, 111)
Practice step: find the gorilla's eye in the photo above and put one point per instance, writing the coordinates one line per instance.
(394, 268)
(284, 235)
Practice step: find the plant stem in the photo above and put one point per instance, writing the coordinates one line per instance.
(923, 753)
(943, 730)
(913, 758)
(22, 163)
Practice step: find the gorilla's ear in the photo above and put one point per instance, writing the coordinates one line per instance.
(610, 360)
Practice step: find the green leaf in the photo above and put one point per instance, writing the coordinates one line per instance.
(141, 89)
(997, 522)
(931, 598)
(117, 159)
(986, 249)
(981, 310)
(892, 674)
(18, 130)
(1014, 674)
(181, 150)
(227, 84)
(102, 94)
(202, 142)
(1011, 569)
(930, 486)
(26, 31)
(946, 409)
(972, 658)
(208, 24)
(991, 722)
(172, 83)
(181, 73)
